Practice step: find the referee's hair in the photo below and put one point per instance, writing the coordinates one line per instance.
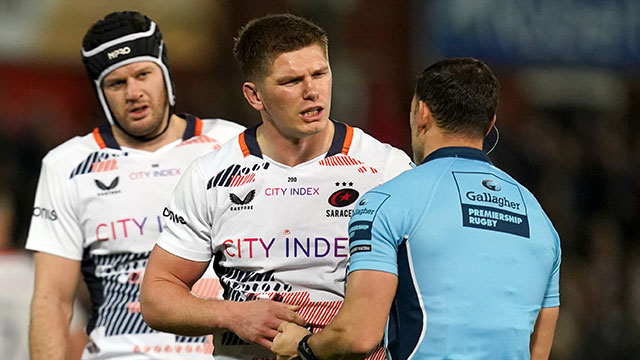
(462, 94)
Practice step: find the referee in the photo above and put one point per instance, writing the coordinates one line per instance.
(464, 260)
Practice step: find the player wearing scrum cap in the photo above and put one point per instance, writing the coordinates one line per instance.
(98, 206)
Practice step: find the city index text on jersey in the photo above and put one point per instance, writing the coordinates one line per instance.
(289, 247)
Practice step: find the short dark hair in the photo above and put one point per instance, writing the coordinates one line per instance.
(261, 40)
(462, 94)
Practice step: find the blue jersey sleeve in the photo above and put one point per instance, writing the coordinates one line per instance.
(552, 294)
(372, 238)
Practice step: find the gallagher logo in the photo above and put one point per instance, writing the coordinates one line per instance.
(242, 203)
(491, 185)
(343, 197)
(108, 189)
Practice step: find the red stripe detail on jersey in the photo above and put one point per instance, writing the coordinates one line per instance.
(207, 288)
(243, 145)
(202, 139)
(239, 180)
(198, 130)
(106, 165)
(347, 140)
(379, 354)
(235, 181)
(98, 138)
(250, 178)
(318, 313)
(340, 160)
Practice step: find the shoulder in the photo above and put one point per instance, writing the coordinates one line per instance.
(228, 154)
(220, 128)
(365, 145)
(76, 148)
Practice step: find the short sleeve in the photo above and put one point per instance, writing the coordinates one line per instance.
(188, 222)
(552, 294)
(55, 225)
(373, 242)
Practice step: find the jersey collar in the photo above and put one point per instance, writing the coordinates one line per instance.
(459, 152)
(103, 134)
(342, 137)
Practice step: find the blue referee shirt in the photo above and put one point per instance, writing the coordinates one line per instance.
(475, 255)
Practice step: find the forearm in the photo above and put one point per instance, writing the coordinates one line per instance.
(358, 327)
(49, 329)
(173, 308)
(542, 336)
(341, 343)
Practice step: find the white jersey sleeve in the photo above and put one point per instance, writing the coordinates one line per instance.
(55, 228)
(188, 219)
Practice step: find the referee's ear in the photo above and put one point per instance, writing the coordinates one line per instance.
(493, 122)
(425, 120)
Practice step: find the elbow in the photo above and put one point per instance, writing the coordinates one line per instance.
(363, 348)
(149, 308)
(361, 344)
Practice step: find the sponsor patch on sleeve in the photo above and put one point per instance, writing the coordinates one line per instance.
(359, 248)
(363, 216)
(491, 203)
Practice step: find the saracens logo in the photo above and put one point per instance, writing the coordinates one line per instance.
(343, 197)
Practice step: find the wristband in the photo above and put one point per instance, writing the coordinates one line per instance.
(304, 351)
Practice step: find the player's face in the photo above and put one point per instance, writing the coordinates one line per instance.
(296, 95)
(416, 144)
(137, 97)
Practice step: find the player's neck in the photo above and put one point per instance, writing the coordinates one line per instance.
(174, 132)
(441, 140)
(292, 151)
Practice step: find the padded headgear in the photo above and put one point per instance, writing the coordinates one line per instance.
(122, 38)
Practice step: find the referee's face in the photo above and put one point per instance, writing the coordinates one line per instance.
(137, 97)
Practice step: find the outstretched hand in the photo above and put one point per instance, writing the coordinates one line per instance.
(258, 321)
(285, 344)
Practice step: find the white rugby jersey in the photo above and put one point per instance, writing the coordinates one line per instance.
(102, 205)
(275, 231)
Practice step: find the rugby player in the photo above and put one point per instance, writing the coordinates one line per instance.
(270, 209)
(98, 207)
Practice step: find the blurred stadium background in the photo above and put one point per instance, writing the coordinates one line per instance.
(568, 115)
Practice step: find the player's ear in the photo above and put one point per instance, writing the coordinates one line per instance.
(251, 93)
